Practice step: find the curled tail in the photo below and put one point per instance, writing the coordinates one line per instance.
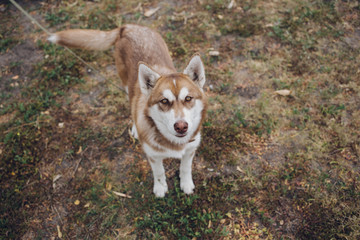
(85, 39)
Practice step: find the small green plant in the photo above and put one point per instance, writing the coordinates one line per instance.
(332, 110)
(57, 18)
(7, 43)
(98, 19)
(240, 119)
(300, 118)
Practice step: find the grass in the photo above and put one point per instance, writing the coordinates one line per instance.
(269, 167)
(178, 216)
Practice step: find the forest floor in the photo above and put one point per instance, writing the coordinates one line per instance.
(280, 151)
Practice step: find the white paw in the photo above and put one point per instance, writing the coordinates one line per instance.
(134, 132)
(187, 186)
(160, 189)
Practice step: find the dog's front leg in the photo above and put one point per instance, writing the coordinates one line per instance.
(186, 182)
(160, 185)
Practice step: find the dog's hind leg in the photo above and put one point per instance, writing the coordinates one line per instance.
(134, 132)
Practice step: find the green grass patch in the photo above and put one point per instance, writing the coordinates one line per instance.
(178, 216)
(7, 43)
(57, 18)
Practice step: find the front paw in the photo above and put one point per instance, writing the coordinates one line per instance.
(160, 190)
(187, 186)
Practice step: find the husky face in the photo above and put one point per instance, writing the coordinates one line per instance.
(175, 102)
(176, 106)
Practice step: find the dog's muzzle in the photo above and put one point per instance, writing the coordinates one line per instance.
(181, 128)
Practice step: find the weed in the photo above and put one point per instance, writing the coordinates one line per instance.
(332, 110)
(64, 71)
(244, 24)
(300, 118)
(104, 210)
(57, 18)
(240, 119)
(98, 19)
(7, 43)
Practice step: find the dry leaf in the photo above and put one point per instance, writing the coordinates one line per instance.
(214, 53)
(239, 169)
(56, 177)
(108, 186)
(283, 92)
(231, 4)
(151, 12)
(59, 231)
(79, 151)
(138, 8)
(45, 112)
(15, 77)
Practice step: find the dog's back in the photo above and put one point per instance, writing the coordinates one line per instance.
(133, 44)
(140, 44)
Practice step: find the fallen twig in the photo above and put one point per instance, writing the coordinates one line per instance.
(121, 194)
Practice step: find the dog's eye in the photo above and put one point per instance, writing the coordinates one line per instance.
(188, 99)
(164, 101)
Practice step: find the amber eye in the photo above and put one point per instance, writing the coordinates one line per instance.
(188, 99)
(164, 101)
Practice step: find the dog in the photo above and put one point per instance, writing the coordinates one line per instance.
(167, 107)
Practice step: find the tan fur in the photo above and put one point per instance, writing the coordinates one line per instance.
(140, 44)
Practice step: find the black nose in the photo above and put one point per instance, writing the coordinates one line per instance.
(181, 127)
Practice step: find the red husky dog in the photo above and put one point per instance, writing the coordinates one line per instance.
(167, 107)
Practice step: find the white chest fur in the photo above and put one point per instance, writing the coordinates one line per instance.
(169, 153)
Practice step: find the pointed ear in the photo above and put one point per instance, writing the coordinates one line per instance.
(147, 78)
(196, 71)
